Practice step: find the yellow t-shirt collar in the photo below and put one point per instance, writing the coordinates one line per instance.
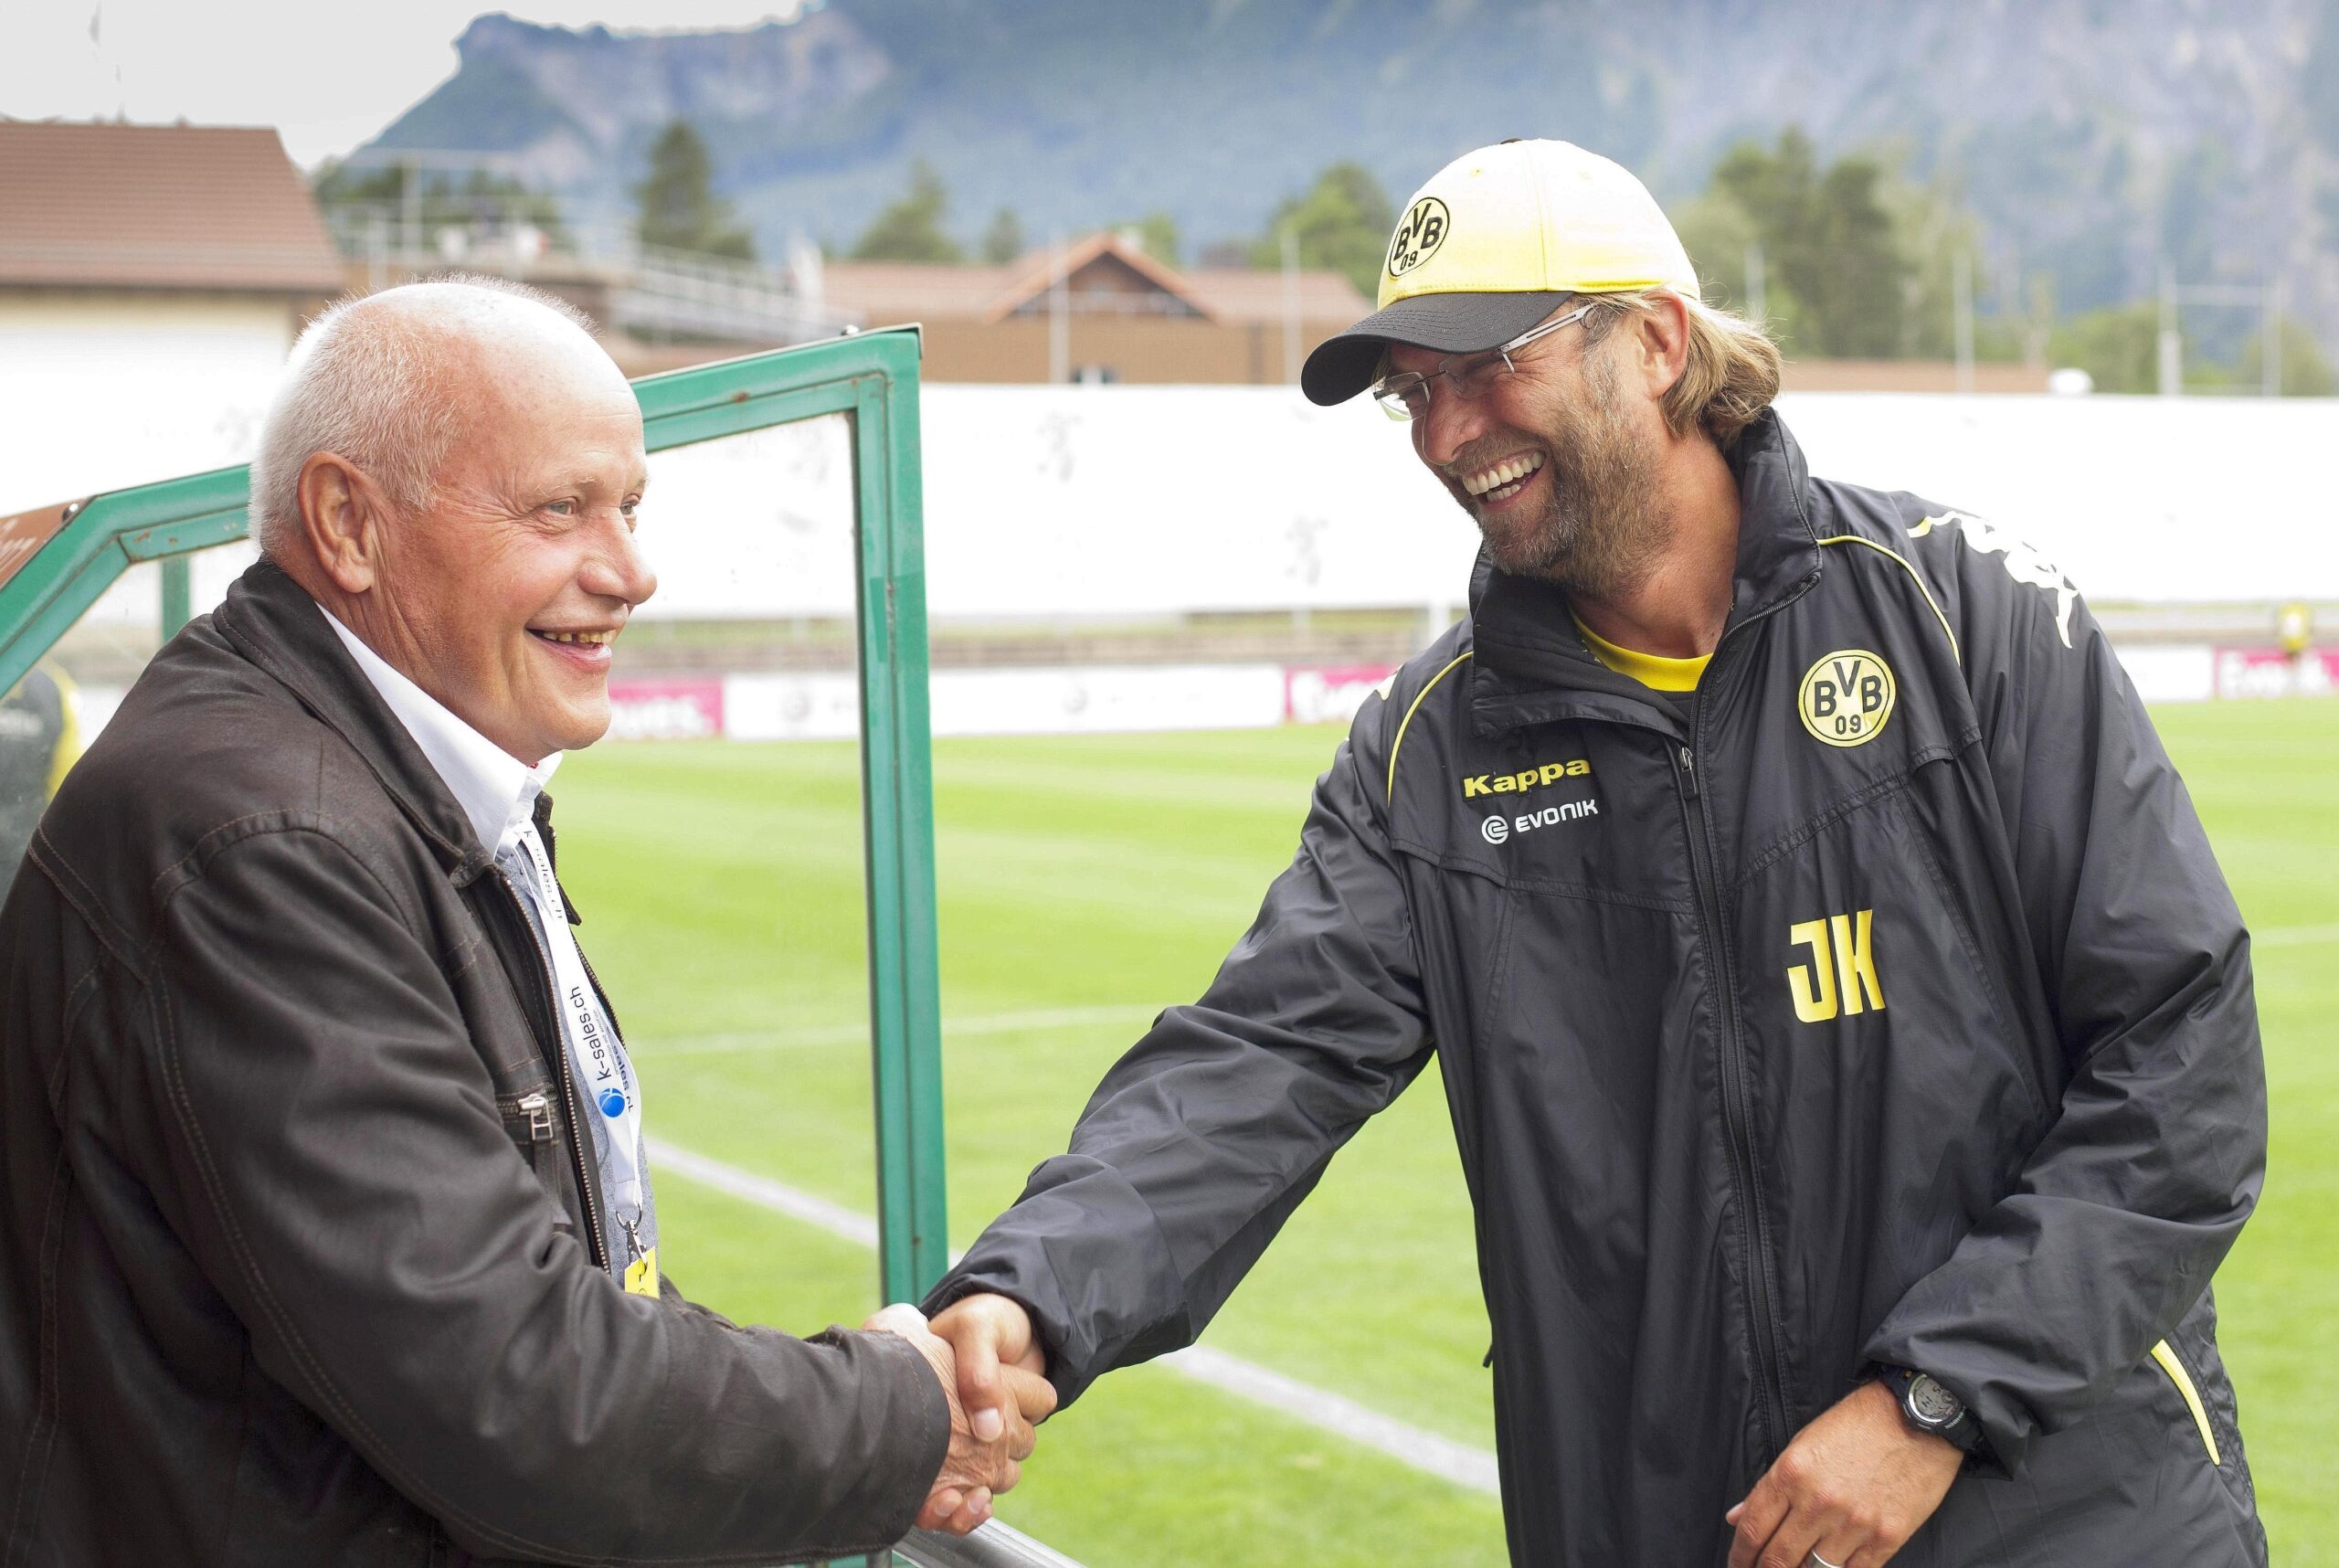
(1655, 671)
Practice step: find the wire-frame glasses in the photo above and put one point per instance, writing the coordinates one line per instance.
(1405, 394)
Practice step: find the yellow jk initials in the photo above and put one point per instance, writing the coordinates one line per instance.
(1846, 972)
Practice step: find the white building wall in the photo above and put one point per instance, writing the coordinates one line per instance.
(100, 390)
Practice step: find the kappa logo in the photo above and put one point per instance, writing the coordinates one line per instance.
(1419, 234)
(1847, 697)
(1476, 784)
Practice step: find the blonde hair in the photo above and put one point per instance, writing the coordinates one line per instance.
(1733, 373)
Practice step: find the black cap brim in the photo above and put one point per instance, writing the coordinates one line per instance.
(1342, 364)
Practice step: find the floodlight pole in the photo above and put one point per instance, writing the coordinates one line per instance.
(1291, 356)
(2171, 340)
(2270, 353)
(1059, 315)
(1961, 317)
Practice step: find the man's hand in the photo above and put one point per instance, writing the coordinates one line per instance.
(974, 1468)
(1853, 1487)
(1001, 1367)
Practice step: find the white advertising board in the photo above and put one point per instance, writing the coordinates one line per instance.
(1054, 502)
(1088, 700)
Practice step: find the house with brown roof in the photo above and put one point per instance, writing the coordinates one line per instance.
(206, 209)
(152, 279)
(1100, 310)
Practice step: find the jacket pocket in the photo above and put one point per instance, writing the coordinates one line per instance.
(532, 1121)
(2170, 1362)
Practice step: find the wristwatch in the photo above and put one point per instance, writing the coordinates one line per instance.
(1928, 1407)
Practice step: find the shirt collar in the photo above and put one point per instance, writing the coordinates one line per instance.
(496, 790)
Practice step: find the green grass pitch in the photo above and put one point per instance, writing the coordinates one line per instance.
(1087, 882)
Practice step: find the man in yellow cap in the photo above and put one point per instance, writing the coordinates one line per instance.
(1848, 1033)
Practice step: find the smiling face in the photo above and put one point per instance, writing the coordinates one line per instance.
(1556, 463)
(501, 595)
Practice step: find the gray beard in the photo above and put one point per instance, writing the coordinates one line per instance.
(1599, 532)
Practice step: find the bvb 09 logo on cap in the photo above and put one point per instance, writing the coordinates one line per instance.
(1419, 234)
(1847, 697)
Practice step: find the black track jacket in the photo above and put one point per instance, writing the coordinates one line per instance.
(1896, 1011)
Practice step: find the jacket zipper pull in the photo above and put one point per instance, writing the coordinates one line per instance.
(539, 1109)
(1689, 773)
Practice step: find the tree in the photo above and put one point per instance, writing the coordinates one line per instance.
(1156, 234)
(1723, 248)
(1934, 228)
(911, 230)
(2305, 372)
(1003, 240)
(2118, 347)
(679, 210)
(1343, 223)
(1828, 242)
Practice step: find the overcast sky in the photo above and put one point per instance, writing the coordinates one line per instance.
(326, 73)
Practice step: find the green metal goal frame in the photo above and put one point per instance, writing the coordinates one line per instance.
(873, 379)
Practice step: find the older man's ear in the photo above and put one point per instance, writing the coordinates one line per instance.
(342, 513)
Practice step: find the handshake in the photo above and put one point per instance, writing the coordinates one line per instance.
(993, 1374)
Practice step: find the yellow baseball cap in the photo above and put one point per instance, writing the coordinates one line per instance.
(1496, 241)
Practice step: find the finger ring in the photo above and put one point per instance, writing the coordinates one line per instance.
(1819, 1562)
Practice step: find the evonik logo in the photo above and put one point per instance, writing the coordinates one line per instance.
(1496, 829)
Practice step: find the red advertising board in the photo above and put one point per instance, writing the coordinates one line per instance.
(1330, 694)
(2270, 673)
(686, 709)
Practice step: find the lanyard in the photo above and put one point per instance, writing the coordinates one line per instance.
(595, 1055)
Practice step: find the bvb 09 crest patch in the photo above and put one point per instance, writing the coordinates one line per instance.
(1847, 697)
(1419, 234)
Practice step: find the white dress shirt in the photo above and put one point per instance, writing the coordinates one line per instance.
(498, 794)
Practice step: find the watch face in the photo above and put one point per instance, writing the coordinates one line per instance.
(1933, 1404)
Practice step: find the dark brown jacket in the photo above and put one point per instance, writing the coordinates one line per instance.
(289, 1270)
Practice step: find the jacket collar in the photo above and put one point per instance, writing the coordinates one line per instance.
(497, 791)
(272, 621)
(1530, 665)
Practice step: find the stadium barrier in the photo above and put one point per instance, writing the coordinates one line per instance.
(1126, 699)
(1106, 699)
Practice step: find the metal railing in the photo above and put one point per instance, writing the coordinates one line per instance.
(995, 1545)
(653, 292)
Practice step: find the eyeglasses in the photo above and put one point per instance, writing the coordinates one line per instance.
(1406, 394)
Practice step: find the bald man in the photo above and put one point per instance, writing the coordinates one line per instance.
(329, 1233)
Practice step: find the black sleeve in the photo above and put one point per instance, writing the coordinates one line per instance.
(353, 1195)
(2142, 1180)
(1202, 1139)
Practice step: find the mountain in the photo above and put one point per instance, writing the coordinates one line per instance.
(2094, 138)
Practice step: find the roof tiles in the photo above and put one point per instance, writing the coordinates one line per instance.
(158, 206)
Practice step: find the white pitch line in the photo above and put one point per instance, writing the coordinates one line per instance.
(718, 1043)
(2295, 936)
(765, 1193)
(1409, 1445)
(1441, 1456)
